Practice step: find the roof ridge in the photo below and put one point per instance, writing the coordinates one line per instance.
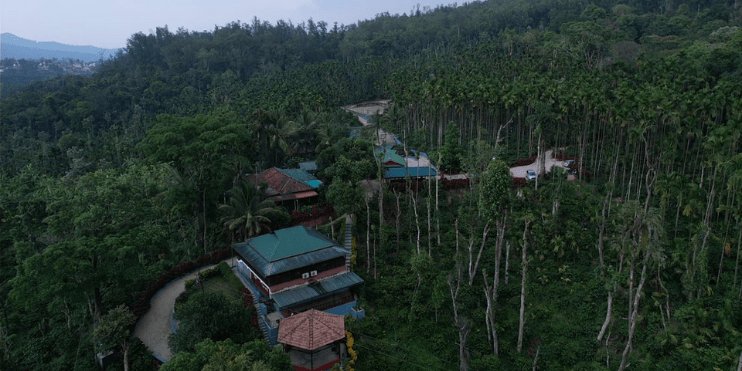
(310, 317)
(328, 316)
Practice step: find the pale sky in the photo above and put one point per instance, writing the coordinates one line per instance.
(109, 23)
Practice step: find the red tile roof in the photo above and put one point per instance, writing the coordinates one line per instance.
(278, 182)
(311, 330)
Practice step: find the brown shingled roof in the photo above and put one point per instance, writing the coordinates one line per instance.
(311, 330)
(278, 182)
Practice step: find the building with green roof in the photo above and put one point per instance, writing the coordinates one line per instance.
(297, 269)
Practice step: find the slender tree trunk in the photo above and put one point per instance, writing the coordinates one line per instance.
(461, 324)
(398, 216)
(473, 269)
(607, 316)
(633, 315)
(382, 232)
(538, 158)
(203, 210)
(491, 292)
(368, 235)
(437, 212)
(524, 268)
(535, 359)
(606, 203)
(736, 264)
(417, 221)
(429, 202)
(126, 357)
(490, 314)
(507, 261)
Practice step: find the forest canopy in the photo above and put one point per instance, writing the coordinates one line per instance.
(109, 181)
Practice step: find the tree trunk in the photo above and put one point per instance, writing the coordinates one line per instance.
(535, 359)
(398, 216)
(382, 234)
(430, 230)
(633, 315)
(473, 270)
(417, 221)
(126, 357)
(607, 316)
(736, 265)
(437, 213)
(97, 296)
(538, 158)
(368, 235)
(490, 314)
(507, 261)
(524, 267)
(203, 210)
(461, 324)
(604, 214)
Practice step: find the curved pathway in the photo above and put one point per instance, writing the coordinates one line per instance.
(520, 171)
(370, 108)
(153, 327)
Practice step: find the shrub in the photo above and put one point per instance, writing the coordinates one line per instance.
(214, 316)
(519, 182)
(142, 303)
(208, 273)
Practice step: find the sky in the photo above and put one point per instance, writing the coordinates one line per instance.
(109, 23)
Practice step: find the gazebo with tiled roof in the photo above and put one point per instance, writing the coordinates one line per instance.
(313, 339)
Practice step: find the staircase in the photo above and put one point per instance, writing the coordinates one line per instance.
(259, 308)
(348, 241)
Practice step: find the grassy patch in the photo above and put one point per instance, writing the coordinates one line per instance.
(225, 282)
(233, 280)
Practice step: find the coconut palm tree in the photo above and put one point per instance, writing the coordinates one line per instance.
(248, 213)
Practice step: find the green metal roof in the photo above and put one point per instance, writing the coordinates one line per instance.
(298, 174)
(288, 242)
(324, 287)
(400, 172)
(308, 166)
(391, 155)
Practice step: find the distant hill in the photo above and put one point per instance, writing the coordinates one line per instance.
(12, 46)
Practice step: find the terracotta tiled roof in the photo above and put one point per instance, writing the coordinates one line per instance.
(278, 182)
(311, 330)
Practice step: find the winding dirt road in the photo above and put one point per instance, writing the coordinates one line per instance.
(153, 327)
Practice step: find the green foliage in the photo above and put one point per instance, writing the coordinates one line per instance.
(230, 356)
(495, 190)
(113, 329)
(208, 273)
(108, 180)
(452, 151)
(211, 316)
(348, 160)
(249, 213)
(345, 198)
(189, 283)
(227, 273)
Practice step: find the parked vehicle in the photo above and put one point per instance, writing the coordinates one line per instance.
(568, 162)
(530, 174)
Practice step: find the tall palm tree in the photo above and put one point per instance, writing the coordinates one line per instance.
(248, 213)
(305, 131)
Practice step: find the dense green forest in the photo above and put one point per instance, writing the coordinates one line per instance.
(110, 180)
